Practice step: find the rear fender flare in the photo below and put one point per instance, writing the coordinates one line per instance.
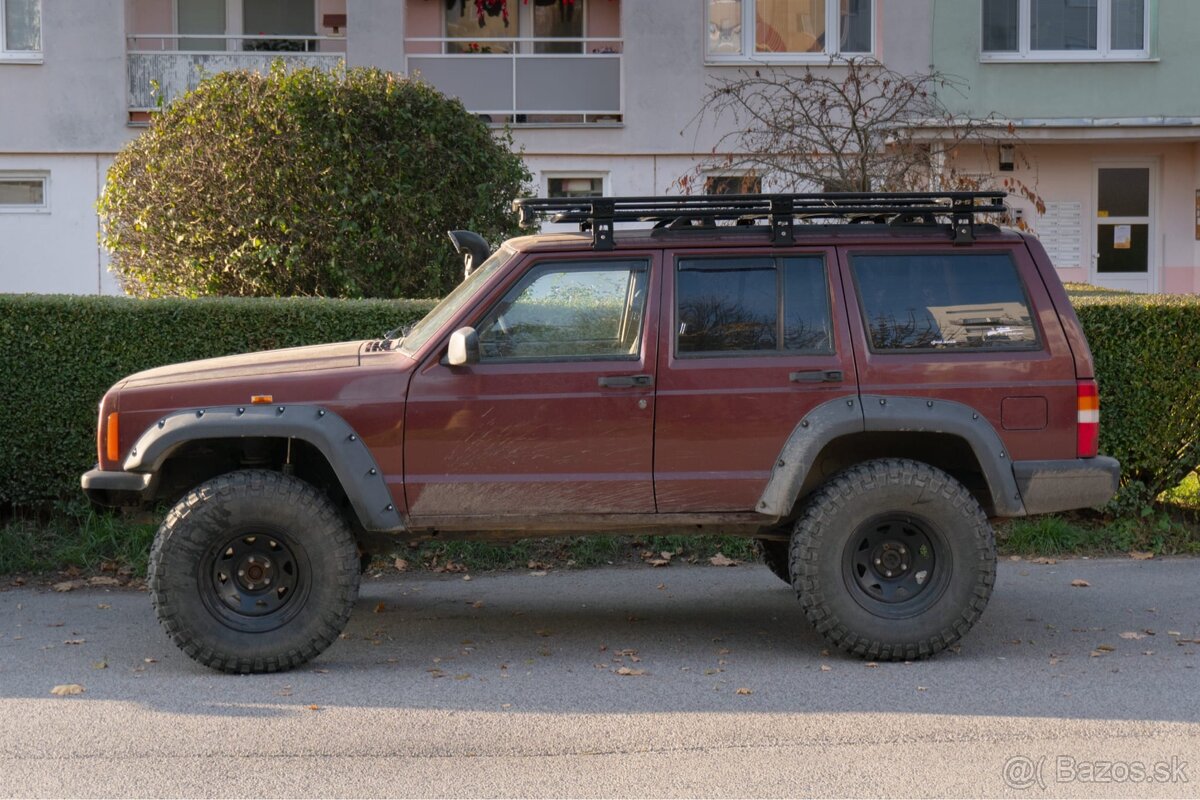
(849, 415)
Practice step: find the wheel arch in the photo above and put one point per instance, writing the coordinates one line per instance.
(945, 434)
(316, 431)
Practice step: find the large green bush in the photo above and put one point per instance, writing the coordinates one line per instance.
(306, 182)
(1147, 352)
(58, 355)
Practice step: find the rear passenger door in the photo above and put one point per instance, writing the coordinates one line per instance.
(751, 341)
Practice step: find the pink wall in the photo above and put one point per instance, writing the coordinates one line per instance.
(150, 16)
(425, 19)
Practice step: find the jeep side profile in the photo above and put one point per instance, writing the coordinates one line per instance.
(858, 382)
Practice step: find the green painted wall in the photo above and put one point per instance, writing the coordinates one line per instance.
(1166, 86)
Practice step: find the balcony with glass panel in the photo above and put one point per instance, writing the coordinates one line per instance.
(172, 44)
(547, 62)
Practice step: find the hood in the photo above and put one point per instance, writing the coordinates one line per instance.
(268, 362)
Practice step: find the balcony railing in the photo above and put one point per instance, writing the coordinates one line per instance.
(509, 77)
(175, 63)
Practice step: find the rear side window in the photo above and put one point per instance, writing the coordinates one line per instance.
(752, 304)
(944, 301)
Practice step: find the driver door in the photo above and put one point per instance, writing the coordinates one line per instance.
(557, 417)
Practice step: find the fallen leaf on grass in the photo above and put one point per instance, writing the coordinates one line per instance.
(743, 690)
(1080, 583)
(64, 689)
(67, 586)
(1141, 555)
(720, 560)
(630, 671)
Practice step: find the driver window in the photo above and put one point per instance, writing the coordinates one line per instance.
(569, 311)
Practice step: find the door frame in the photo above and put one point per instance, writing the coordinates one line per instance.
(1153, 249)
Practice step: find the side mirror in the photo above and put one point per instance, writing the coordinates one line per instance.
(464, 347)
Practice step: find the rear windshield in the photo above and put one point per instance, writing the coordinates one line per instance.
(944, 301)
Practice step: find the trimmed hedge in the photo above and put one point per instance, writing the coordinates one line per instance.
(1147, 352)
(58, 355)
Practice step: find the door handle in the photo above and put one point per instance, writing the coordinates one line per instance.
(625, 381)
(817, 376)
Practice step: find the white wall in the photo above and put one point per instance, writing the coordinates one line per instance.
(55, 251)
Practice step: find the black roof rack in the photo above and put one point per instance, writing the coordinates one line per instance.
(598, 214)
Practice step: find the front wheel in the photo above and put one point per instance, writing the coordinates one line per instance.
(893, 560)
(253, 571)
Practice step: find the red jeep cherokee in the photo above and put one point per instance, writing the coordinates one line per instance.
(858, 398)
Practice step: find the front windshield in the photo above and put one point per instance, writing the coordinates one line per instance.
(452, 302)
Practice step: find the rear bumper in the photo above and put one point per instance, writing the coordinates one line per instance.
(1047, 486)
(113, 488)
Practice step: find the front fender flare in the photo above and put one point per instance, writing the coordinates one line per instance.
(351, 459)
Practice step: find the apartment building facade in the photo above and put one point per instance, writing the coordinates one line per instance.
(602, 96)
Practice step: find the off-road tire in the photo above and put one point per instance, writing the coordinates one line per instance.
(774, 554)
(881, 499)
(318, 562)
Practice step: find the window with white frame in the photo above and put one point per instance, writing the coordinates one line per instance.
(574, 185)
(789, 30)
(1064, 30)
(23, 191)
(20, 30)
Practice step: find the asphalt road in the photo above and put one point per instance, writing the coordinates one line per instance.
(508, 685)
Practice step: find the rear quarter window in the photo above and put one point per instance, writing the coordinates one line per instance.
(957, 302)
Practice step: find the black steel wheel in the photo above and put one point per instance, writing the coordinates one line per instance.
(891, 565)
(893, 559)
(254, 571)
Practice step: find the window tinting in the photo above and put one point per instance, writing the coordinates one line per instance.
(569, 311)
(734, 305)
(969, 301)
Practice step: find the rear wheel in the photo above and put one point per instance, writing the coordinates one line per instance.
(893, 559)
(254, 571)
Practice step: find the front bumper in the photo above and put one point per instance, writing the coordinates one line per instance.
(114, 488)
(1047, 486)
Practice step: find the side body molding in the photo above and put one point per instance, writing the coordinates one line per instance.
(836, 418)
(350, 458)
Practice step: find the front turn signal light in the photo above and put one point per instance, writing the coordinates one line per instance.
(112, 437)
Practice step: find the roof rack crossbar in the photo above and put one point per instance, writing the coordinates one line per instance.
(781, 211)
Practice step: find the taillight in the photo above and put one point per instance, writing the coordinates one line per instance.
(1087, 435)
